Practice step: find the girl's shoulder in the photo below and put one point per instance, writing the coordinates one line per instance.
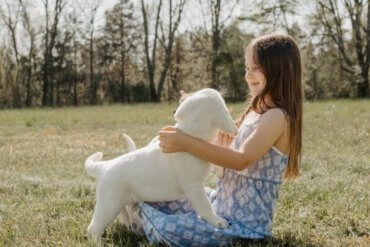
(275, 112)
(274, 116)
(270, 114)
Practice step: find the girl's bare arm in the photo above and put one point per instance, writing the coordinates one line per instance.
(271, 126)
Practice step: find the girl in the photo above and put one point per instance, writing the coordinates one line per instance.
(267, 147)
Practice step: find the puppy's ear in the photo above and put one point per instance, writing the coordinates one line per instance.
(184, 96)
(183, 110)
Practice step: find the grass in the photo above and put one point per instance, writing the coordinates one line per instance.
(46, 198)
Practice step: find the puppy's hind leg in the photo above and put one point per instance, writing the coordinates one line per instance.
(198, 198)
(106, 210)
(124, 217)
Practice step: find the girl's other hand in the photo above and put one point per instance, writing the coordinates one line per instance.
(172, 140)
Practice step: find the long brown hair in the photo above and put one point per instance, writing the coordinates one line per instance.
(278, 58)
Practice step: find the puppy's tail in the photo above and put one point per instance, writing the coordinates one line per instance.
(92, 166)
(130, 143)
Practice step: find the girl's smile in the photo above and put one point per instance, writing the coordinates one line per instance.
(253, 84)
(253, 75)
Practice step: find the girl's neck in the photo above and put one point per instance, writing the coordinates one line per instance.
(266, 104)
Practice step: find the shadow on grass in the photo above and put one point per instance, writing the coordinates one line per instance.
(288, 240)
(121, 236)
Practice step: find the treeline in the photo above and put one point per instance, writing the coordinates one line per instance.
(58, 52)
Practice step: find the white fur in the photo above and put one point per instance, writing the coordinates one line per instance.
(130, 142)
(148, 174)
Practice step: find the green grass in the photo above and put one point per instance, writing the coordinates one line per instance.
(46, 198)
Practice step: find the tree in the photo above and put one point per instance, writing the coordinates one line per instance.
(333, 20)
(120, 40)
(76, 45)
(167, 39)
(11, 19)
(64, 65)
(273, 14)
(93, 81)
(175, 71)
(231, 63)
(219, 13)
(89, 13)
(52, 20)
(31, 55)
(215, 16)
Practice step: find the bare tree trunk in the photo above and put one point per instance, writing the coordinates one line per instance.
(215, 10)
(45, 86)
(175, 69)
(168, 48)
(59, 66)
(75, 80)
(123, 51)
(363, 88)
(93, 82)
(355, 12)
(365, 75)
(217, 27)
(11, 25)
(150, 62)
(168, 45)
(48, 97)
(31, 53)
(123, 80)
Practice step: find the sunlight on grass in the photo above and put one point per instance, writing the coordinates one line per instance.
(47, 199)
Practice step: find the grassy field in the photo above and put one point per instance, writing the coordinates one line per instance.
(46, 198)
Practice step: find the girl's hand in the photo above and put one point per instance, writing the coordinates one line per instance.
(172, 140)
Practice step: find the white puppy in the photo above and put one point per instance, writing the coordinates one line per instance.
(148, 174)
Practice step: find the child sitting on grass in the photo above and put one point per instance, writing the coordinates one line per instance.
(266, 149)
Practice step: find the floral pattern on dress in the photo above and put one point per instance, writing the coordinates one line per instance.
(246, 199)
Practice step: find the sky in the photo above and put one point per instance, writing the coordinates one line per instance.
(192, 16)
(191, 19)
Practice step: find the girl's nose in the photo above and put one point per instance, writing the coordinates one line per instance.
(247, 75)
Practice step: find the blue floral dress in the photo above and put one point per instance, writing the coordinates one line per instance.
(246, 199)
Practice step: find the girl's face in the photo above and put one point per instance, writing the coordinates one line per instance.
(254, 77)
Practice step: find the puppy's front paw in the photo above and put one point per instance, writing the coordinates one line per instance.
(219, 222)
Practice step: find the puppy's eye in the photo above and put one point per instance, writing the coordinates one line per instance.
(174, 111)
